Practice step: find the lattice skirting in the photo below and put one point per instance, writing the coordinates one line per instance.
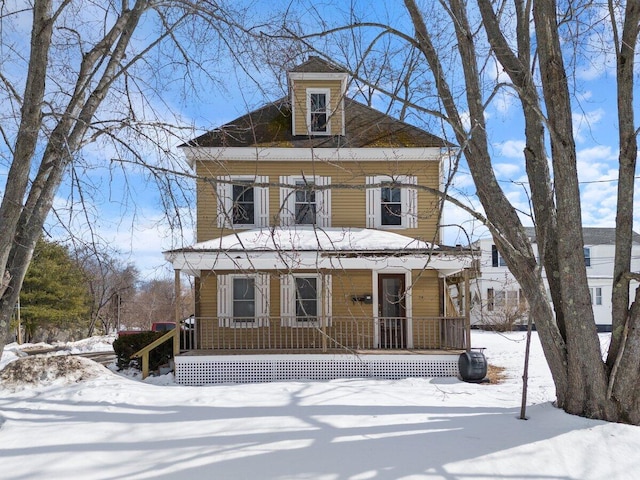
(205, 369)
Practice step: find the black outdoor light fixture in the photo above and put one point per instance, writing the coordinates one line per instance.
(365, 298)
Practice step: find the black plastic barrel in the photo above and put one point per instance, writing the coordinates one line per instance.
(472, 366)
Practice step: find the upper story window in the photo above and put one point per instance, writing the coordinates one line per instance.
(587, 256)
(305, 200)
(318, 101)
(241, 202)
(496, 258)
(390, 205)
(392, 202)
(243, 300)
(305, 204)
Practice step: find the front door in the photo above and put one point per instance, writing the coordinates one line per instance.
(392, 311)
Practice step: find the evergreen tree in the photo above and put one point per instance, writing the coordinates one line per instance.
(54, 295)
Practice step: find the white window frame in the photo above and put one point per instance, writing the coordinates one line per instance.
(288, 300)
(327, 93)
(501, 262)
(504, 299)
(225, 301)
(224, 204)
(587, 256)
(288, 199)
(408, 198)
(596, 295)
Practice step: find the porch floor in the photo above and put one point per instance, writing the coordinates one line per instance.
(315, 351)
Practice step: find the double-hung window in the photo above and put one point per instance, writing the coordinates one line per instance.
(392, 202)
(587, 256)
(243, 210)
(496, 258)
(242, 202)
(504, 299)
(243, 300)
(305, 204)
(390, 205)
(318, 117)
(305, 200)
(305, 300)
(596, 295)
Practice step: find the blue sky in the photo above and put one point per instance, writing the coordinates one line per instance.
(127, 212)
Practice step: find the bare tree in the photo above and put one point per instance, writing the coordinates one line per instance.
(110, 284)
(531, 41)
(95, 73)
(154, 301)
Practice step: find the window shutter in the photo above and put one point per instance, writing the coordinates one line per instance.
(224, 300)
(262, 207)
(287, 300)
(494, 256)
(373, 203)
(324, 202)
(411, 203)
(262, 298)
(287, 202)
(327, 300)
(224, 202)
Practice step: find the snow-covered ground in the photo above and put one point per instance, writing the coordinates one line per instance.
(110, 426)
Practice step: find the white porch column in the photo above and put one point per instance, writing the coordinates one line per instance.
(178, 312)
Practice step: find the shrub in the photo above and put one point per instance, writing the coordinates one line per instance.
(126, 345)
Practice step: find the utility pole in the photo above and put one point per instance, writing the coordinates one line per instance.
(19, 322)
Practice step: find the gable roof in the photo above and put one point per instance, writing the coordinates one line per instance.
(592, 235)
(316, 64)
(270, 126)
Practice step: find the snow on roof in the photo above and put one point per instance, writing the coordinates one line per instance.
(299, 238)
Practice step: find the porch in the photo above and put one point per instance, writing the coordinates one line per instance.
(274, 349)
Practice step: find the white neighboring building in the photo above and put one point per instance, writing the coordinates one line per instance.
(498, 299)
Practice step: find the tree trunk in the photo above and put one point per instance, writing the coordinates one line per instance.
(22, 224)
(569, 337)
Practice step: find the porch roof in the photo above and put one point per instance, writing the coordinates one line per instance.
(309, 248)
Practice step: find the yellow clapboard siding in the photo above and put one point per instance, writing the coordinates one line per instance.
(345, 286)
(348, 194)
(300, 104)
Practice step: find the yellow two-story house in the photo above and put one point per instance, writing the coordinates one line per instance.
(318, 233)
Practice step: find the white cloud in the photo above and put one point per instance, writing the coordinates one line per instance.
(507, 170)
(583, 122)
(512, 149)
(596, 164)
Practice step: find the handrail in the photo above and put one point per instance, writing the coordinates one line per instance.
(366, 332)
(144, 352)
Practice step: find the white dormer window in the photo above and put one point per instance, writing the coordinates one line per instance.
(318, 101)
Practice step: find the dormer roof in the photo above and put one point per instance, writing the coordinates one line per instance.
(317, 65)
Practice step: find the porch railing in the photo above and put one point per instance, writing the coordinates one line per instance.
(351, 333)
